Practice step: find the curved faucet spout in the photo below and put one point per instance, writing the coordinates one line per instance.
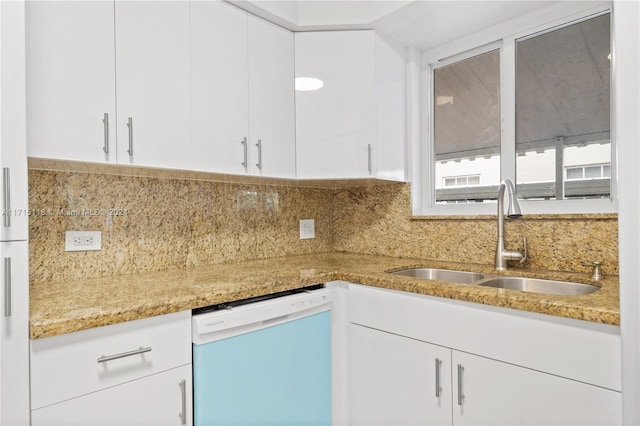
(514, 211)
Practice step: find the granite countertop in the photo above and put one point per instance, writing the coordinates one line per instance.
(64, 307)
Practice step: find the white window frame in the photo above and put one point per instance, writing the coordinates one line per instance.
(504, 37)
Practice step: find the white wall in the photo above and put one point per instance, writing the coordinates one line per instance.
(626, 36)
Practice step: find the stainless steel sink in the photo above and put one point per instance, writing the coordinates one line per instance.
(533, 285)
(460, 277)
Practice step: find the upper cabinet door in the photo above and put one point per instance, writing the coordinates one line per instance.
(271, 100)
(335, 124)
(70, 80)
(13, 156)
(219, 92)
(153, 75)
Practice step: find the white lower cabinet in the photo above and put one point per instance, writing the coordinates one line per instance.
(393, 380)
(160, 399)
(132, 373)
(418, 360)
(486, 391)
(14, 333)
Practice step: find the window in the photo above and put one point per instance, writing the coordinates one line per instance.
(533, 107)
(467, 126)
(562, 110)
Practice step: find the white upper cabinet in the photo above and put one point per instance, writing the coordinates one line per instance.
(242, 93)
(353, 126)
(271, 100)
(71, 80)
(75, 50)
(219, 87)
(336, 123)
(153, 83)
(13, 159)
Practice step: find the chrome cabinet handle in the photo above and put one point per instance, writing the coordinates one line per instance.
(438, 387)
(140, 350)
(244, 143)
(183, 389)
(105, 121)
(369, 158)
(259, 145)
(130, 126)
(6, 195)
(7, 286)
(460, 393)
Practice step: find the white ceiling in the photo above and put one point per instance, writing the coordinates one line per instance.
(420, 23)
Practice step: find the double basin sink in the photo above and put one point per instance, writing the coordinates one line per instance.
(531, 285)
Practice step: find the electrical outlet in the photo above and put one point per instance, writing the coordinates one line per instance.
(307, 229)
(82, 240)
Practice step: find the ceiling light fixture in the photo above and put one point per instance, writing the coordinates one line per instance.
(305, 84)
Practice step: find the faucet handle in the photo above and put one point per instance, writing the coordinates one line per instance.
(524, 256)
(596, 274)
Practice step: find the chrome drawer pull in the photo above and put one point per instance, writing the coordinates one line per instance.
(259, 145)
(245, 163)
(460, 392)
(183, 389)
(6, 194)
(141, 350)
(438, 387)
(130, 126)
(105, 120)
(7, 287)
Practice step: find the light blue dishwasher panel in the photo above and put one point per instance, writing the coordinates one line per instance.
(280, 375)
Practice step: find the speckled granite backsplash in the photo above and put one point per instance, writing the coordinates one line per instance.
(166, 223)
(377, 221)
(154, 224)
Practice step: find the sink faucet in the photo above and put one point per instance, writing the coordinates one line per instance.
(502, 254)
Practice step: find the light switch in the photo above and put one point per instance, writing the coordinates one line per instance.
(307, 229)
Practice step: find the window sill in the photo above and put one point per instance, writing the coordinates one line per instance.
(559, 216)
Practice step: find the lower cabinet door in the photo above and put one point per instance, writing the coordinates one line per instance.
(394, 380)
(160, 399)
(492, 392)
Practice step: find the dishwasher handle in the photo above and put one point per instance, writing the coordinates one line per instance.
(217, 325)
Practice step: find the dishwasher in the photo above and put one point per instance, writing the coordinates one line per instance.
(264, 360)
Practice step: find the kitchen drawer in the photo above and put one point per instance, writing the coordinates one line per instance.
(69, 365)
